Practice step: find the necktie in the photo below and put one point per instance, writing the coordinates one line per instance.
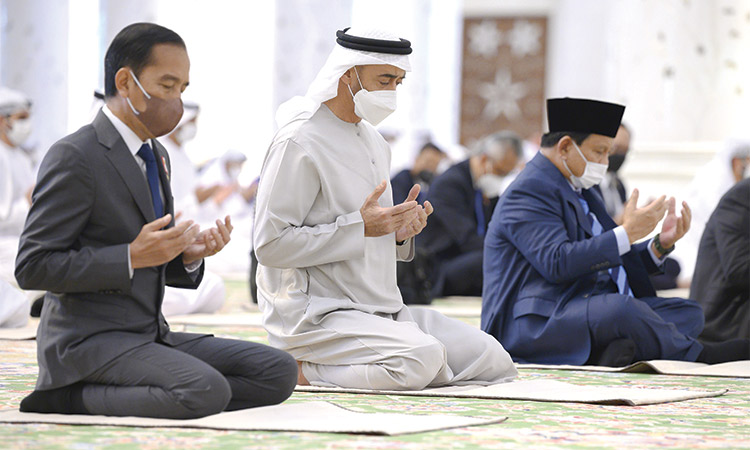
(152, 174)
(617, 273)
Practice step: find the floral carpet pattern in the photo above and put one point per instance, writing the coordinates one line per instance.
(720, 422)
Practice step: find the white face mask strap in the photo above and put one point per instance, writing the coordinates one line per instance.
(565, 163)
(135, 111)
(579, 151)
(139, 84)
(360, 81)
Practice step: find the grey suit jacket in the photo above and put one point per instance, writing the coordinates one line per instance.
(91, 200)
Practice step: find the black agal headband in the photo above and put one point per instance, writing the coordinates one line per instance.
(401, 47)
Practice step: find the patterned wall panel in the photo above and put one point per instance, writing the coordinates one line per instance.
(502, 84)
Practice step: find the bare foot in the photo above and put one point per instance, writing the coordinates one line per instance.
(301, 380)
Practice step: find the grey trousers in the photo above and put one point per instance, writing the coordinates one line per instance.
(194, 379)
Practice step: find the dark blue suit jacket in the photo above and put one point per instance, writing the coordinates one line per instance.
(401, 183)
(540, 267)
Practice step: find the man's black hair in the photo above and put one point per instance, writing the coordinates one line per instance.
(551, 139)
(132, 48)
(431, 146)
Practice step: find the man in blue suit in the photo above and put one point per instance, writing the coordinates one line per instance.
(562, 283)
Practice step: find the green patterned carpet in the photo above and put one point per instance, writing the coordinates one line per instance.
(721, 422)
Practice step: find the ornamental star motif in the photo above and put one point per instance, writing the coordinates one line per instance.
(524, 38)
(484, 38)
(502, 96)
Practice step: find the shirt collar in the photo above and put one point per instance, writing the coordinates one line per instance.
(131, 139)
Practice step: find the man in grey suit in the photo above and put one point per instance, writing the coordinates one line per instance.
(101, 239)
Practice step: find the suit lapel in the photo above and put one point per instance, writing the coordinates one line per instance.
(122, 160)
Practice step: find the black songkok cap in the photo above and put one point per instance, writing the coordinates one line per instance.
(400, 47)
(580, 115)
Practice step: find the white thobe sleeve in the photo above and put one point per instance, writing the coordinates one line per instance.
(405, 252)
(289, 185)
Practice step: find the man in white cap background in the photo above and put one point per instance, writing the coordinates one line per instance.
(327, 238)
(16, 182)
(210, 294)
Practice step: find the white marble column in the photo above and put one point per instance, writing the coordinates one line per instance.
(34, 60)
(428, 100)
(304, 36)
(117, 14)
(681, 66)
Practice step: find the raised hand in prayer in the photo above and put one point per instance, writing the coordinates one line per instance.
(639, 222)
(209, 242)
(674, 228)
(155, 246)
(380, 221)
(416, 226)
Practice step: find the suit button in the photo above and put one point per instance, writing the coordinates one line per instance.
(585, 295)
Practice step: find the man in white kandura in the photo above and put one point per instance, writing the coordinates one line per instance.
(328, 237)
(17, 176)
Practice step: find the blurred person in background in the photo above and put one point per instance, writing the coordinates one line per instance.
(730, 165)
(612, 187)
(211, 293)
(230, 190)
(426, 166)
(414, 277)
(464, 198)
(16, 182)
(15, 129)
(614, 194)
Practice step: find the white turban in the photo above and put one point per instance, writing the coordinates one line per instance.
(12, 101)
(190, 111)
(341, 59)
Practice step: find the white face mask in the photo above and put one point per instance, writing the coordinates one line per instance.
(186, 132)
(443, 165)
(19, 131)
(373, 106)
(234, 173)
(593, 174)
(490, 184)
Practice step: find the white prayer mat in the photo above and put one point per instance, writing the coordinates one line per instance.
(678, 292)
(544, 391)
(237, 319)
(314, 417)
(456, 306)
(734, 369)
(20, 334)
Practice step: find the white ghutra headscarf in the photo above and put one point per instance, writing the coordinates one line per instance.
(341, 59)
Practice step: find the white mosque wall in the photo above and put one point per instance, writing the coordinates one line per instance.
(682, 67)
